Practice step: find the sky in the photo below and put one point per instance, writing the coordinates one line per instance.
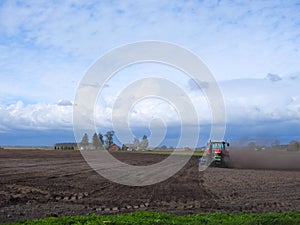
(250, 47)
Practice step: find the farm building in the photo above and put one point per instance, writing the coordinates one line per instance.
(113, 147)
(129, 147)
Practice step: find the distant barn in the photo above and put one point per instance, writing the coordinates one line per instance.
(129, 147)
(113, 147)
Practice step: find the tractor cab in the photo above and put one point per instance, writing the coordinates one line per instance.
(217, 153)
(216, 150)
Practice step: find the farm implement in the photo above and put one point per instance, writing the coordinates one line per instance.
(216, 154)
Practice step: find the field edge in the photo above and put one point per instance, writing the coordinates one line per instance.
(148, 217)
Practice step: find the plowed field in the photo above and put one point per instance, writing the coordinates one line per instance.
(43, 183)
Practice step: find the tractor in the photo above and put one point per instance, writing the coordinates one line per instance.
(216, 154)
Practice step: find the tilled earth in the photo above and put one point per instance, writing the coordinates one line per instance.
(44, 183)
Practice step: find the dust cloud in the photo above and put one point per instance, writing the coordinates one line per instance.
(270, 159)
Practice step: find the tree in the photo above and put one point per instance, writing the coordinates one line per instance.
(251, 144)
(96, 142)
(144, 143)
(294, 146)
(101, 138)
(136, 143)
(109, 138)
(276, 143)
(85, 141)
(163, 147)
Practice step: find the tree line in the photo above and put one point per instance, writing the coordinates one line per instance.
(100, 141)
(292, 146)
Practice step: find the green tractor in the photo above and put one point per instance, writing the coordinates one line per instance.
(216, 154)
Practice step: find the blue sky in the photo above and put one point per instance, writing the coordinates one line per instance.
(251, 47)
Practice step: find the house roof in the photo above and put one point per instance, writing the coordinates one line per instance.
(113, 146)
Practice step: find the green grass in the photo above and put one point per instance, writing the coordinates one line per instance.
(140, 217)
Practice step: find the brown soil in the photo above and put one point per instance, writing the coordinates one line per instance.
(41, 183)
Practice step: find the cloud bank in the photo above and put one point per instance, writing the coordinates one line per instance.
(247, 106)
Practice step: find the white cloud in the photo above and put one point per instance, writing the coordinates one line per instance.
(262, 100)
(38, 116)
(234, 39)
(247, 101)
(246, 106)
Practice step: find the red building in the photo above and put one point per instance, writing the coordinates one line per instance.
(113, 147)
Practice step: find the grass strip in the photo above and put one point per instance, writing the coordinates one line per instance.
(142, 217)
